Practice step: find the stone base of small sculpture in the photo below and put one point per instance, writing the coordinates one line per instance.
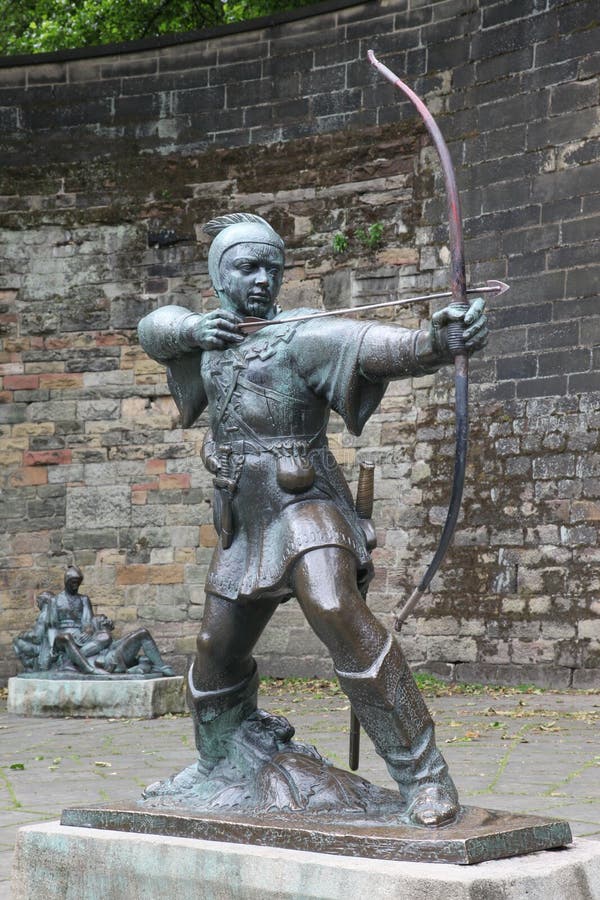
(102, 696)
(53, 861)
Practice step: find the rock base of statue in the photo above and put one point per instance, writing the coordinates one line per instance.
(102, 696)
(274, 791)
(264, 820)
(53, 861)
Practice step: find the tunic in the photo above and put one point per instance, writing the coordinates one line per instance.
(278, 489)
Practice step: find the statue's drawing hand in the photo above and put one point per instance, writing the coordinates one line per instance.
(474, 325)
(213, 331)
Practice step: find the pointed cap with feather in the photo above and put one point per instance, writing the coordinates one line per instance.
(237, 228)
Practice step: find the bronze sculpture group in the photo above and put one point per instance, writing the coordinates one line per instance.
(286, 522)
(67, 638)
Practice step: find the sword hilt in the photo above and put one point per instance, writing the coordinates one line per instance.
(365, 490)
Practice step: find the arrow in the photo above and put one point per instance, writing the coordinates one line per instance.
(251, 324)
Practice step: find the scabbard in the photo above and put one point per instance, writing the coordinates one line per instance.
(354, 742)
(364, 508)
(226, 520)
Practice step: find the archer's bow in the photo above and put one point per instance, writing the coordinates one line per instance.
(455, 337)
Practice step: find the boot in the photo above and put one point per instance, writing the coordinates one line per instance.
(390, 708)
(217, 714)
(152, 653)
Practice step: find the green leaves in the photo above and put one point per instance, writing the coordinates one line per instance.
(340, 243)
(240, 10)
(39, 26)
(372, 236)
(369, 238)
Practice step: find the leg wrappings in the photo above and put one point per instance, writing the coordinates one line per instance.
(390, 708)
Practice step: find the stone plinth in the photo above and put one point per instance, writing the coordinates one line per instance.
(113, 697)
(54, 862)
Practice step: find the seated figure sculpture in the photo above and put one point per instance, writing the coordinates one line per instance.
(286, 522)
(32, 646)
(68, 637)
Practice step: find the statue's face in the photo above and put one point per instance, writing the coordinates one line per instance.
(72, 583)
(251, 276)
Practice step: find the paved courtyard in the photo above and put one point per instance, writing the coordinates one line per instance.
(536, 752)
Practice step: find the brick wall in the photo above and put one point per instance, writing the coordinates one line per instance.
(111, 163)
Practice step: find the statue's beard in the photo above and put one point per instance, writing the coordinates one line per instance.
(258, 306)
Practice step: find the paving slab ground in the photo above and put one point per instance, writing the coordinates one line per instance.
(522, 752)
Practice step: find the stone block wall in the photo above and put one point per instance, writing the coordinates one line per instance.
(111, 163)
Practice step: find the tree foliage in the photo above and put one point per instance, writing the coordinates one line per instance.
(39, 26)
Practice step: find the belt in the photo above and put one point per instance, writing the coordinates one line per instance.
(246, 446)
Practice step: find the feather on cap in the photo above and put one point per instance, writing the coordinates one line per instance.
(237, 228)
(215, 226)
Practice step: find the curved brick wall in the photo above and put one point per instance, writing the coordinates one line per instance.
(112, 161)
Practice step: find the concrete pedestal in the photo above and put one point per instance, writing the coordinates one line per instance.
(57, 862)
(113, 697)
